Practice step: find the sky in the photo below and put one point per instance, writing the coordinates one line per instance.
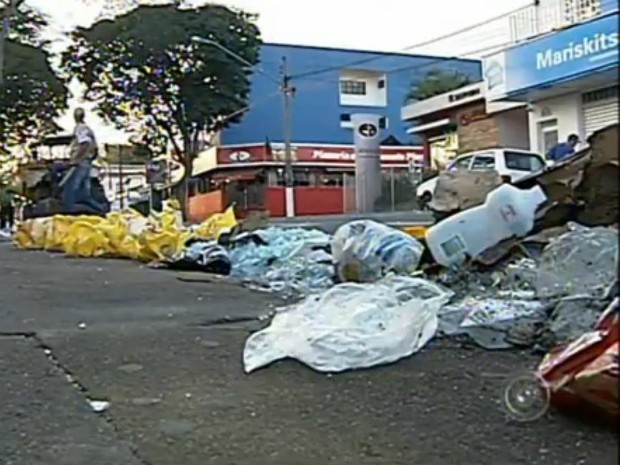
(386, 25)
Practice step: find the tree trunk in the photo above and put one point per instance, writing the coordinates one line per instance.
(181, 191)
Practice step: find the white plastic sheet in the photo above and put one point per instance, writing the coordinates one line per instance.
(351, 326)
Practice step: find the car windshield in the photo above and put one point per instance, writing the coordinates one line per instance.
(521, 161)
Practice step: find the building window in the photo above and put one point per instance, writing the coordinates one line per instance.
(548, 135)
(600, 94)
(350, 87)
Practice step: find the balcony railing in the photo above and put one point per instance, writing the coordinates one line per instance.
(551, 15)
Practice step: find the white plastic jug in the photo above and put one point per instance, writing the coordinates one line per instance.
(507, 212)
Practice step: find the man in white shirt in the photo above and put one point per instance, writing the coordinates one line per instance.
(77, 188)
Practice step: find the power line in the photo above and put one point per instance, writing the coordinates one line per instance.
(410, 47)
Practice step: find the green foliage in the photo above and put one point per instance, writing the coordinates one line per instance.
(437, 82)
(147, 76)
(32, 95)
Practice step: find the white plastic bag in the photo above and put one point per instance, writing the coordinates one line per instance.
(351, 326)
(365, 251)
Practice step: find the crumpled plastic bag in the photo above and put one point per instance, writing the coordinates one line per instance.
(217, 224)
(365, 251)
(583, 261)
(351, 326)
(586, 371)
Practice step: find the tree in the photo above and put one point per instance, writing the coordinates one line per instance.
(437, 82)
(144, 72)
(32, 95)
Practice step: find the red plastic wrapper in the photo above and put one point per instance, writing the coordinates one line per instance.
(585, 372)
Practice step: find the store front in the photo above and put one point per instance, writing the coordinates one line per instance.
(569, 79)
(252, 177)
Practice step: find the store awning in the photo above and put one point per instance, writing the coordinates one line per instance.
(236, 175)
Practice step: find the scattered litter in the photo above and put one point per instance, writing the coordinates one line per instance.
(82, 326)
(365, 251)
(488, 321)
(582, 261)
(99, 406)
(351, 326)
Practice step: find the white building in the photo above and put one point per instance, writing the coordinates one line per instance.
(564, 65)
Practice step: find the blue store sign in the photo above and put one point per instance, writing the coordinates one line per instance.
(581, 50)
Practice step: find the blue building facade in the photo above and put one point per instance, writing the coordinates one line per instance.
(331, 85)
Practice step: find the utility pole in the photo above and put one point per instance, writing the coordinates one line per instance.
(289, 180)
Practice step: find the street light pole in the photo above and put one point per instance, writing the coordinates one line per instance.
(288, 92)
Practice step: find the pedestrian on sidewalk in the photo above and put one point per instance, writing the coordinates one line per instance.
(77, 187)
(563, 150)
(7, 208)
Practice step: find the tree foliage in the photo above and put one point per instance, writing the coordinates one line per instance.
(437, 82)
(32, 95)
(145, 73)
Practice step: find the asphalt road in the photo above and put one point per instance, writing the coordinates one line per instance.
(166, 354)
(329, 223)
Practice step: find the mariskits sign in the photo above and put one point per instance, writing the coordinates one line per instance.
(580, 50)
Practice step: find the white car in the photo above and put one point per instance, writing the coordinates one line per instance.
(510, 163)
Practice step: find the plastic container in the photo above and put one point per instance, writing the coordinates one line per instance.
(508, 212)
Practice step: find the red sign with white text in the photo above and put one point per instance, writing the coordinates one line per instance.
(321, 154)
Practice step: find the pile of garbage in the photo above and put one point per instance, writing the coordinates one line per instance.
(514, 271)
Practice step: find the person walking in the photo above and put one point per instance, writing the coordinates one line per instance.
(563, 150)
(77, 185)
(7, 209)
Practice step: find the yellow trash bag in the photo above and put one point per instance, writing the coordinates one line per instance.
(217, 224)
(129, 248)
(85, 239)
(161, 245)
(31, 234)
(57, 230)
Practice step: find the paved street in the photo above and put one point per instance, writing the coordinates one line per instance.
(166, 354)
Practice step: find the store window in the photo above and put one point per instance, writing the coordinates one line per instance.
(548, 135)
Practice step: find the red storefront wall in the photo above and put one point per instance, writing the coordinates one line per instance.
(308, 201)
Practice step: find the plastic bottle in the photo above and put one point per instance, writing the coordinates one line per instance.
(507, 212)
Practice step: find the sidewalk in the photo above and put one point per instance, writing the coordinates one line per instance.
(159, 351)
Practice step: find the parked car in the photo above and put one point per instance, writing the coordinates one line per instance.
(511, 164)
